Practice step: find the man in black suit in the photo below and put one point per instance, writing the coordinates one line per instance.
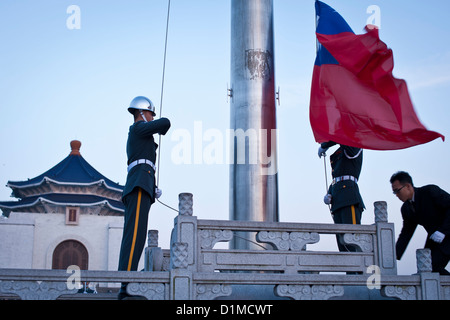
(428, 206)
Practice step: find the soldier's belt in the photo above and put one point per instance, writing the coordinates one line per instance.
(343, 178)
(141, 161)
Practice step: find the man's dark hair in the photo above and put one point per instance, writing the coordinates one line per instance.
(402, 177)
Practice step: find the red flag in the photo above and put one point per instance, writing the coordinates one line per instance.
(355, 99)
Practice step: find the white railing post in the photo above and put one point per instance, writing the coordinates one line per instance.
(185, 228)
(385, 255)
(430, 287)
(153, 253)
(181, 281)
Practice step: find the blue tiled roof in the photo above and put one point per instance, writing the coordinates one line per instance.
(72, 170)
(63, 199)
(72, 173)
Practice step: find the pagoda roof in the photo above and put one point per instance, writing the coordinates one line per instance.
(64, 200)
(37, 203)
(74, 170)
(73, 182)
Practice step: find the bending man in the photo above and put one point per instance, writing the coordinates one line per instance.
(428, 206)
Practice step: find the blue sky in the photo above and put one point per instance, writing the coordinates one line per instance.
(58, 84)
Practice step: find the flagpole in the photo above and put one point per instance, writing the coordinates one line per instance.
(326, 176)
(324, 157)
(315, 19)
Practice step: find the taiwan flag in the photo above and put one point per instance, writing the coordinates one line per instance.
(355, 100)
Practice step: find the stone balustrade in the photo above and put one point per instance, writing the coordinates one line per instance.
(280, 258)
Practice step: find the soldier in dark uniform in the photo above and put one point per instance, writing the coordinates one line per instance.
(343, 194)
(140, 189)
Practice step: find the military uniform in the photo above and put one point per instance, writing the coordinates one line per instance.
(347, 204)
(139, 192)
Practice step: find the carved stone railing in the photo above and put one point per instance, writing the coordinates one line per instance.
(375, 245)
(286, 264)
(52, 284)
(194, 269)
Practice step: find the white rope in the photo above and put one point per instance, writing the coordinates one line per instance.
(161, 103)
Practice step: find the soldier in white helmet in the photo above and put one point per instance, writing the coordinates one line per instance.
(140, 189)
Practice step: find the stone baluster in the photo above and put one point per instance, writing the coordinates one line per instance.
(179, 255)
(181, 280)
(152, 239)
(423, 257)
(153, 253)
(185, 228)
(185, 204)
(429, 281)
(386, 258)
(381, 214)
(183, 247)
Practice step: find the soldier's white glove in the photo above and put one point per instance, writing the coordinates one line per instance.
(437, 237)
(327, 199)
(322, 151)
(158, 193)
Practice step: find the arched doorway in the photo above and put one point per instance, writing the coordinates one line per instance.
(68, 253)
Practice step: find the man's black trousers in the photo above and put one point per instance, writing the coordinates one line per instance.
(346, 215)
(137, 207)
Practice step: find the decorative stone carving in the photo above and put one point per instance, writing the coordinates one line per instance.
(153, 254)
(362, 241)
(166, 264)
(423, 257)
(208, 238)
(36, 290)
(295, 241)
(381, 214)
(185, 204)
(179, 255)
(400, 292)
(151, 291)
(153, 238)
(212, 291)
(306, 292)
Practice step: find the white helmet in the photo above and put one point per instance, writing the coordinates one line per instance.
(142, 103)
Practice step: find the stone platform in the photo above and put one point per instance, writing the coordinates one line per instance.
(194, 269)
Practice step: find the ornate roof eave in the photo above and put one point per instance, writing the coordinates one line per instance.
(20, 191)
(16, 207)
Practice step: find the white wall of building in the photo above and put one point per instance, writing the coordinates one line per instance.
(27, 240)
(16, 241)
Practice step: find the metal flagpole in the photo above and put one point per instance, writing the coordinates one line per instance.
(161, 103)
(324, 156)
